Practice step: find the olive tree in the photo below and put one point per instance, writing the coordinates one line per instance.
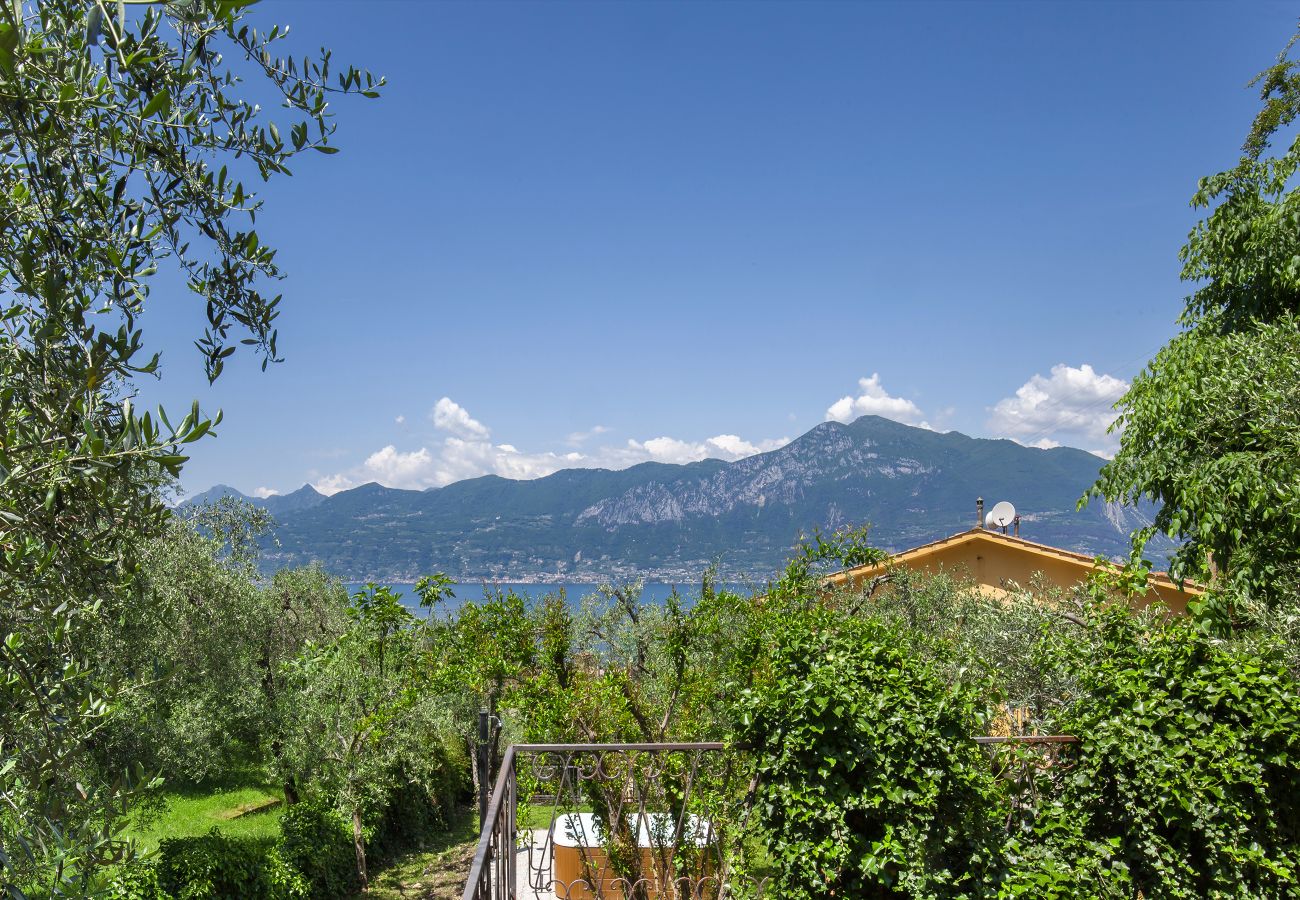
(127, 147)
(200, 646)
(362, 717)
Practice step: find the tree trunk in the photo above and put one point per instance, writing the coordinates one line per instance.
(359, 843)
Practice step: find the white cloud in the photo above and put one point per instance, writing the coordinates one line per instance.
(874, 400)
(468, 453)
(332, 484)
(400, 420)
(1070, 406)
(578, 438)
(723, 446)
(451, 417)
(397, 469)
(263, 492)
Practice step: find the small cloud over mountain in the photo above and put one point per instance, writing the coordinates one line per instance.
(578, 438)
(449, 415)
(874, 400)
(1072, 405)
(723, 446)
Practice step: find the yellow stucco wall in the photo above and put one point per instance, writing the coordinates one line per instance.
(998, 564)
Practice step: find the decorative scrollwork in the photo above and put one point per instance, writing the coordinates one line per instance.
(626, 821)
(660, 821)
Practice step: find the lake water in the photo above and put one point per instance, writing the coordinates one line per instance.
(467, 592)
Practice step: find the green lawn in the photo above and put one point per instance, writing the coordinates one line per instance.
(530, 817)
(191, 811)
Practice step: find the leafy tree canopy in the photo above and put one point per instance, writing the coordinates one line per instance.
(128, 141)
(1211, 429)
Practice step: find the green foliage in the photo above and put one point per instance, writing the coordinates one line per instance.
(620, 668)
(870, 784)
(136, 880)
(1210, 428)
(216, 867)
(361, 727)
(210, 867)
(966, 635)
(412, 811)
(199, 647)
(317, 843)
(862, 709)
(124, 146)
(1186, 775)
(845, 548)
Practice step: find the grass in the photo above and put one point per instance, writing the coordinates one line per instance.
(190, 811)
(436, 872)
(532, 817)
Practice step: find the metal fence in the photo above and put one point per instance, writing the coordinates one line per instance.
(659, 821)
(643, 821)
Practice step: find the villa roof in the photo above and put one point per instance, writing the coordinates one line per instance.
(992, 556)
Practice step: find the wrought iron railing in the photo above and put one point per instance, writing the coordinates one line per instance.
(659, 821)
(627, 821)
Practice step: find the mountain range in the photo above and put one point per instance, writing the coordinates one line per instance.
(669, 522)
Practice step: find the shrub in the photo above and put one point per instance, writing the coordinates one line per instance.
(317, 842)
(870, 784)
(408, 818)
(1188, 771)
(224, 868)
(136, 880)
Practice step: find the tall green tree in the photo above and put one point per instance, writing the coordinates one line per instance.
(199, 646)
(1210, 430)
(127, 144)
(361, 720)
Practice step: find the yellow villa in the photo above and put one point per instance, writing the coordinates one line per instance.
(999, 563)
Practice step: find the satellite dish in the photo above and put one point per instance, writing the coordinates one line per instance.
(1000, 516)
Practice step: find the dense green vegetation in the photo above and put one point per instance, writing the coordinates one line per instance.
(153, 678)
(1211, 428)
(126, 150)
(859, 707)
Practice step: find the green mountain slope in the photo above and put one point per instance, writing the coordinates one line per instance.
(669, 522)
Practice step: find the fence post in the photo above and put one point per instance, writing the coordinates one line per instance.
(484, 766)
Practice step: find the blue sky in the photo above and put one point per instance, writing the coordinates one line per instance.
(596, 233)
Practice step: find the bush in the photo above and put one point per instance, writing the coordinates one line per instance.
(137, 880)
(223, 868)
(317, 841)
(870, 783)
(408, 818)
(1188, 771)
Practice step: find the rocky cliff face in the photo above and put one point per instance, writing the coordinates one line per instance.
(827, 454)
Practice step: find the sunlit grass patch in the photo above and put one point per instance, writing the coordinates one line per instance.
(249, 810)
